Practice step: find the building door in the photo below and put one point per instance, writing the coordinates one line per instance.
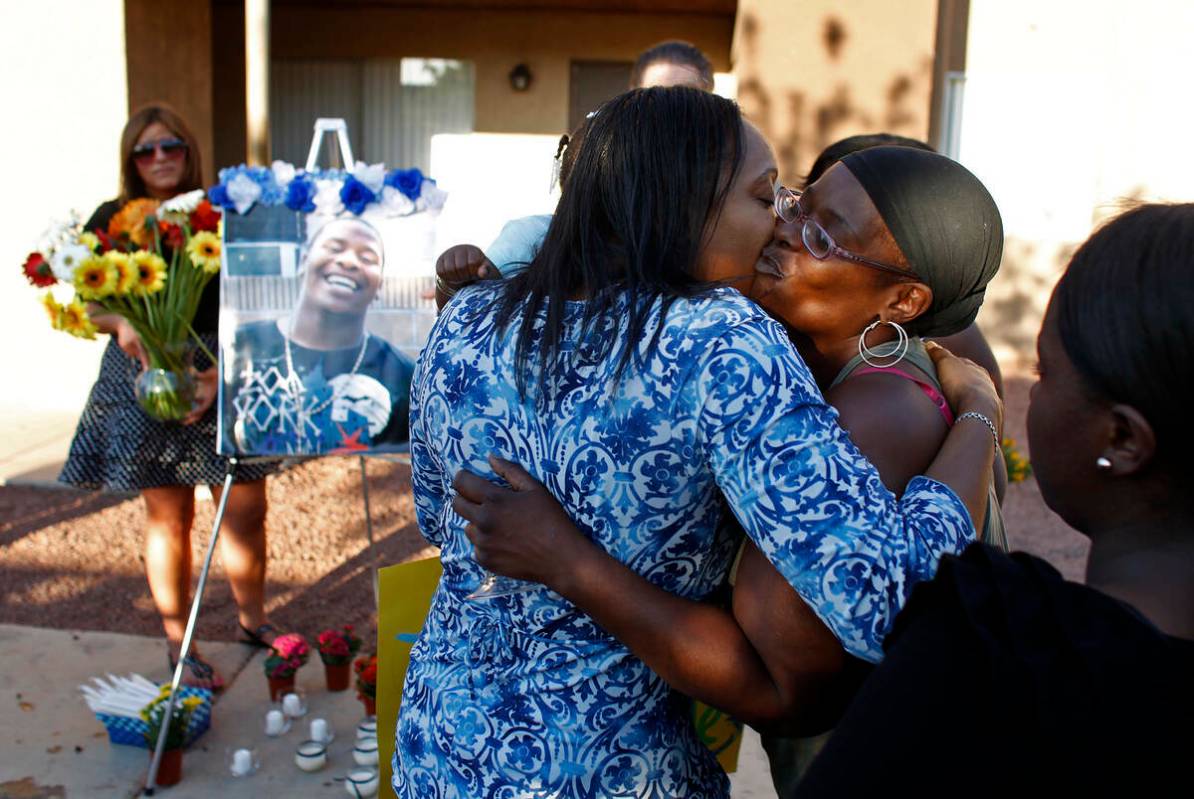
(592, 83)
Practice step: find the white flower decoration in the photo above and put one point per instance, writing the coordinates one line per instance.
(395, 203)
(65, 259)
(243, 191)
(283, 173)
(431, 197)
(327, 197)
(372, 175)
(183, 203)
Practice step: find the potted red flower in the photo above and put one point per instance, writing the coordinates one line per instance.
(366, 669)
(287, 655)
(336, 650)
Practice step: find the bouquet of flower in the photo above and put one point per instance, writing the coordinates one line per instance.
(287, 655)
(337, 647)
(150, 266)
(180, 719)
(366, 670)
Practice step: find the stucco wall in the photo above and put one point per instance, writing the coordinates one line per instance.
(813, 71)
(495, 41)
(65, 86)
(1073, 111)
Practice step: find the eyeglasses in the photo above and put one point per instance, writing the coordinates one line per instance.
(818, 242)
(169, 148)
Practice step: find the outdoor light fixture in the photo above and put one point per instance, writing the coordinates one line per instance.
(520, 78)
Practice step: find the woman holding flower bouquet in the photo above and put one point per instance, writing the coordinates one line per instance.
(120, 447)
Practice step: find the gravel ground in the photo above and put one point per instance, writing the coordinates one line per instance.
(72, 560)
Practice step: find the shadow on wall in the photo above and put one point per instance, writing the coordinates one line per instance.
(799, 126)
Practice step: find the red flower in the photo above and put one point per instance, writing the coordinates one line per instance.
(205, 217)
(106, 242)
(171, 235)
(37, 271)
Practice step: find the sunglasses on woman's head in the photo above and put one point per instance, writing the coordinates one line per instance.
(170, 148)
(817, 240)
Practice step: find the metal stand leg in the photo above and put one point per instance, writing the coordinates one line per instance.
(151, 780)
(369, 533)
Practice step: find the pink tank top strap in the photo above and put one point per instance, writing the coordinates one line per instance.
(930, 390)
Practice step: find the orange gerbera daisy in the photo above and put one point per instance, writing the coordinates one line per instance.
(131, 221)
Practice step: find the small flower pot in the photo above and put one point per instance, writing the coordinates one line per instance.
(170, 767)
(337, 675)
(279, 686)
(370, 705)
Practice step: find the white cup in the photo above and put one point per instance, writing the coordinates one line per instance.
(361, 783)
(365, 752)
(311, 755)
(367, 728)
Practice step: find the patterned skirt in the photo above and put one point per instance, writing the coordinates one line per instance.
(118, 447)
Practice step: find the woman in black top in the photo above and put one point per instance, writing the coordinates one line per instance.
(118, 447)
(999, 675)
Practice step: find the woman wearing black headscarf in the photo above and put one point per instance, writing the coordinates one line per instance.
(1000, 678)
(891, 239)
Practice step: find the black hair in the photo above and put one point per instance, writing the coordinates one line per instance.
(673, 52)
(649, 176)
(852, 144)
(1125, 314)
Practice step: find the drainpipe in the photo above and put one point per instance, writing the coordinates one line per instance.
(257, 82)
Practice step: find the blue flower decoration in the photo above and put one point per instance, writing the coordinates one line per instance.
(218, 194)
(407, 181)
(356, 195)
(300, 194)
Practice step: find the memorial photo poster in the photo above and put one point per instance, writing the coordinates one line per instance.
(322, 315)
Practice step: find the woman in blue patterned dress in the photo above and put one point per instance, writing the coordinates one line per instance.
(639, 390)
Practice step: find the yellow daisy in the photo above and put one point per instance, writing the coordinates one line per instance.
(89, 240)
(126, 273)
(76, 321)
(95, 278)
(150, 272)
(54, 309)
(204, 249)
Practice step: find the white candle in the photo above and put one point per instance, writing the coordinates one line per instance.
(292, 705)
(361, 783)
(320, 730)
(242, 762)
(311, 756)
(275, 723)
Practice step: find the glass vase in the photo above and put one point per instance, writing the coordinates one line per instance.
(165, 389)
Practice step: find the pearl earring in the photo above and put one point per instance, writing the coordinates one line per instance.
(1103, 464)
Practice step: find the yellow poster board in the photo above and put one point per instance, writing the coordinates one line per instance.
(405, 599)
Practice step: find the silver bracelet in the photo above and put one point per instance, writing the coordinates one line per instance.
(985, 420)
(442, 287)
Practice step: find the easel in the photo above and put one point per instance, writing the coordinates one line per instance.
(322, 126)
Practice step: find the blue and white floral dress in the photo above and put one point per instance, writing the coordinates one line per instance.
(524, 695)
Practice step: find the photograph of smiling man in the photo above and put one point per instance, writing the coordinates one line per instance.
(311, 340)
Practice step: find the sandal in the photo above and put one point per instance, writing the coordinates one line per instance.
(202, 674)
(258, 637)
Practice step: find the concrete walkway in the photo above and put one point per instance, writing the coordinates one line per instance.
(54, 747)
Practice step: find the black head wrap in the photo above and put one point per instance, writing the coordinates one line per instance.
(945, 223)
